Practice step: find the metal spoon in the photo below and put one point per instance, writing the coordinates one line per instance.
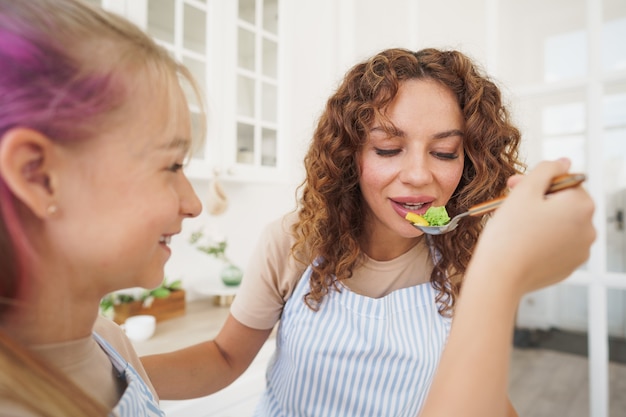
(559, 183)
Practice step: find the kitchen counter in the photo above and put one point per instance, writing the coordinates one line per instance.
(202, 321)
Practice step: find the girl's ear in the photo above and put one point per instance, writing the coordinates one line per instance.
(25, 156)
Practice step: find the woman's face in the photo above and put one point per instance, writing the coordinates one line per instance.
(418, 166)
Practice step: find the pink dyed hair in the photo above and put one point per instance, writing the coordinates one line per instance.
(64, 68)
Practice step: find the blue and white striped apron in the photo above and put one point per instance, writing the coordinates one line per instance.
(137, 400)
(356, 356)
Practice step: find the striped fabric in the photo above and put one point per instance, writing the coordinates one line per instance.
(137, 400)
(356, 356)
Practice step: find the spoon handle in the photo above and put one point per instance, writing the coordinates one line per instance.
(558, 183)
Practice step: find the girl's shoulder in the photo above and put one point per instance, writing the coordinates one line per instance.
(113, 334)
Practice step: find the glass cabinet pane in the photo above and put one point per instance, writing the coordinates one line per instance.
(245, 96)
(546, 45)
(245, 143)
(564, 56)
(198, 70)
(270, 103)
(565, 118)
(614, 176)
(613, 50)
(560, 121)
(563, 132)
(161, 19)
(270, 58)
(268, 147)
(245, 50)
(247, 10)
(613, 35)
(270, 16)
(194, 28)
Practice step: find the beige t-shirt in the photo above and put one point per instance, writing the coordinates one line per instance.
(89, 366)
(272, 275)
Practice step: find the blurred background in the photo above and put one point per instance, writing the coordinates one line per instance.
(267, 67)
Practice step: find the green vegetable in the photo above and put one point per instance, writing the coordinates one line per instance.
(160, 292)
(147, 296)
(437, 216)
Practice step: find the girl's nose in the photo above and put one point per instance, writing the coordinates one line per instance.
(190, 204)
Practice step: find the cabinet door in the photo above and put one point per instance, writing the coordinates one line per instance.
(232, 49)
(257, 84)
(249, 129)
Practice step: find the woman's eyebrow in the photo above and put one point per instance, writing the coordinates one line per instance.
(392, 130)
(448, 133)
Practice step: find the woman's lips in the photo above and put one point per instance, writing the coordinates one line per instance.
(402, 208)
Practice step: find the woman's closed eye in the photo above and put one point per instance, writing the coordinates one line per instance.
(445, 155)
(387, 152)
(439, 155)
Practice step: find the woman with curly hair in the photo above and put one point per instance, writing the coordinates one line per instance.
(365, 301)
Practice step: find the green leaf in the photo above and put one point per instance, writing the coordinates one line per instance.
(160, 292)
(125, 298)
(176, 285)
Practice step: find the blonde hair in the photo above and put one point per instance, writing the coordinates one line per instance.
(43, 389)
(67, 70)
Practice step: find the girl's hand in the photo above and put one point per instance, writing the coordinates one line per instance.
(535, 239)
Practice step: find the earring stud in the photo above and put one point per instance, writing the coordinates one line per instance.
(52, 209)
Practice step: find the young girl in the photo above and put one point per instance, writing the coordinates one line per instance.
(364, 299)
(94, 129)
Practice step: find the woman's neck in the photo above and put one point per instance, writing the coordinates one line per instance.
(387, 249)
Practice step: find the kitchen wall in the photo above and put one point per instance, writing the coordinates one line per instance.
(251, 207)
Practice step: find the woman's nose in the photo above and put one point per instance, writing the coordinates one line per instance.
(415, 170)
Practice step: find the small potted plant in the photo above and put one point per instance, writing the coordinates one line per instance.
(230, 274)
(164, 302)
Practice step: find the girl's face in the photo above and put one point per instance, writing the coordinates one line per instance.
(418, 166)
(123, 194)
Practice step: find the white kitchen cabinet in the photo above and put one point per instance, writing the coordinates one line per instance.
(233, 50)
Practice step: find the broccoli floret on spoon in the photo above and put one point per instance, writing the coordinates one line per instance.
(437, 216)
(434, 216)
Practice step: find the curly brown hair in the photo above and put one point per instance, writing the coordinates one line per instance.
(331, 217)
